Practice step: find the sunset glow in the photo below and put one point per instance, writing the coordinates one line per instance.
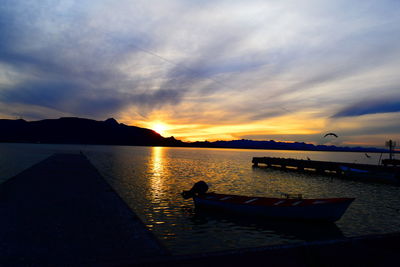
(160, 128)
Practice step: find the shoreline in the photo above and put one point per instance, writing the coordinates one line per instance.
(216, 147)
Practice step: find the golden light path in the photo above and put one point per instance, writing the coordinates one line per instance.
(158, 172)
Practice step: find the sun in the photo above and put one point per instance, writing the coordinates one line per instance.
(159, 128)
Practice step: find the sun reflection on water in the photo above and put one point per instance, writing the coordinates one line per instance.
(158, 187)
(158, 173)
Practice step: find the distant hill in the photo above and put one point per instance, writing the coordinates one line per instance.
(73, 130)
(251, 144)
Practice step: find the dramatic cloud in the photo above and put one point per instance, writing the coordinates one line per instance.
(209, 69)
(371, 106)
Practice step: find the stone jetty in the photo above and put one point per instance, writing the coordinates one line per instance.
(61, 212)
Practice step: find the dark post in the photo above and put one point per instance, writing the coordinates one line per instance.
(391, 146)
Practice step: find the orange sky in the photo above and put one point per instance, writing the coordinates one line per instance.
(294, 127)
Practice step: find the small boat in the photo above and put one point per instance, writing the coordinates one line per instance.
(384, 176)
(293, 208)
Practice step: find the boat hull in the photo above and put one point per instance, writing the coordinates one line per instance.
(328, 210)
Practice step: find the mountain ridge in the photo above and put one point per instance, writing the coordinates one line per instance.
(74, 130)
(275, 145)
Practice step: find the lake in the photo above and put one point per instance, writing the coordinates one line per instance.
(150, 180)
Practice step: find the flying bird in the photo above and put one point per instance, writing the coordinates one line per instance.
(333, 134)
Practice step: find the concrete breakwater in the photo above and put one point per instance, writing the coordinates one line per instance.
(371, 250)
(62, 212)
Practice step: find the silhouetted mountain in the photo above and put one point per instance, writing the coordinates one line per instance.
(250, 144)
(109, 132)
(80, 131)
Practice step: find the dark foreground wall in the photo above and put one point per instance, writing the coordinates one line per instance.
(373, 250)
(61, 212)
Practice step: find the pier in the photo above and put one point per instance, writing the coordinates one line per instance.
(379, 173)
(61, 212)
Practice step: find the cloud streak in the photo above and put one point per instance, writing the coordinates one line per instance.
(371, 106)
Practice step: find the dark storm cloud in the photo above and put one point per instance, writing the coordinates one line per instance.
(370, 106)
(64, 96)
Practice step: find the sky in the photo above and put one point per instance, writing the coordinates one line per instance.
(208, 70)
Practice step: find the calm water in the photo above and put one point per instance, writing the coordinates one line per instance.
(151, 178)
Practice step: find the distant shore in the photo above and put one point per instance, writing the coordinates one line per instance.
(211, 145)
(296, 146)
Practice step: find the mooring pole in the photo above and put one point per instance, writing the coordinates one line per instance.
(391, 144)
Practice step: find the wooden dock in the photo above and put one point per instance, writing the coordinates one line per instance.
(380, 173)
(61, 212)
